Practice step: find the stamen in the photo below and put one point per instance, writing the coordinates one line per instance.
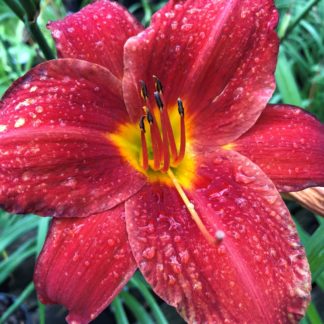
(163, 142)
(144, 146)
(166, 155)
(182, 150)
(167, 123)
(191, 208)
(156, 140)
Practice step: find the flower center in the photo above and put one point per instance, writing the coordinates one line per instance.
(164, 149)
(160, 142)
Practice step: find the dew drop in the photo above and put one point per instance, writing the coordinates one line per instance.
(270, 199)
(26, 176)
(57, 33)
(186, 27)
(172, 280)
(20, 122)
(111, 242)
(176, 268)
(174, 25)
(184, 256)
(242, 178)
(39, 109)
(149, 253)
(197, 285)
(70, 182)
(177, 239)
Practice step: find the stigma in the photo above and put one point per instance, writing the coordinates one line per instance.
(164, 153)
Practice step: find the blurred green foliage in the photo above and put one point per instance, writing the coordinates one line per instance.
(300, 81)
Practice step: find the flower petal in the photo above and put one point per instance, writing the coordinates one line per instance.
(218, 56)
(55, 157)
(258, 273)
(288, 144)
(97, 34)
(84, 264)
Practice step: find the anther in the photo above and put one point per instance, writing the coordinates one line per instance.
(144, 92)
(141, 124)
(158, 84)
(149, 117)
(180, 107)
(158, 100)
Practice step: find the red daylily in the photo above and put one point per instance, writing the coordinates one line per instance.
(194, 175)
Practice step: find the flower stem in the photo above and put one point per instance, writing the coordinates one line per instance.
(27, 11)
(302, 14)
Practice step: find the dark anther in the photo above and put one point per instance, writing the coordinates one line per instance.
(149, 117)
(158, 84)
(143, 90)
(180, 107)
(141, 124)
(158, 100)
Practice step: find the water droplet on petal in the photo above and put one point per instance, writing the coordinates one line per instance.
(111, 242)
(149, 253)
(242, 178)
(271, 199)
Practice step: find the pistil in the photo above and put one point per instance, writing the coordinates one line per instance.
(191, 209)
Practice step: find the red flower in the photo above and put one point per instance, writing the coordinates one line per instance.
(196, 179)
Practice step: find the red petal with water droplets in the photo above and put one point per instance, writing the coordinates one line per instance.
(218, 56)
(55, 157)
(85, 263)
(288, 144)
(97, 34)
(258, 273)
